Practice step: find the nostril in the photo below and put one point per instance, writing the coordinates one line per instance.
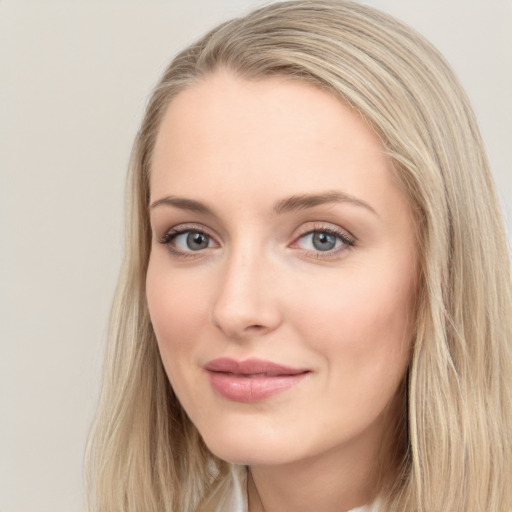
(244, 307)
(240, 326)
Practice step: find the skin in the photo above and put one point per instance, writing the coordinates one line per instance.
(261, 288)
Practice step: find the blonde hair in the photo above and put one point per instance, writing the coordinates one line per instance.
(145, 455)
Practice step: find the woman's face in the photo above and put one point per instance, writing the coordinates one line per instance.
(282, 276)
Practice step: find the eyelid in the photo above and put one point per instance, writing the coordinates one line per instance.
(184, 227)
(312, 227)
(347, 239)
(181, 229)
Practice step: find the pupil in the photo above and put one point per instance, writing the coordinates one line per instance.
(197, 241)
(324, 241)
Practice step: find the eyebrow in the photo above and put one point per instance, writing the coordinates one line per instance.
(304, 201)
(184, 204)
(290, 204)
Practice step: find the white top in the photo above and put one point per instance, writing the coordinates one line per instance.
(238, 500)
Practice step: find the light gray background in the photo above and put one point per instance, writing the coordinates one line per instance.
(74, 77)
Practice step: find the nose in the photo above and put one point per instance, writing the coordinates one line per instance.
(246, 304)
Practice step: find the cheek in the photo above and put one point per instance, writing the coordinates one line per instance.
(363, 328)
(177, 307)
(363, 333)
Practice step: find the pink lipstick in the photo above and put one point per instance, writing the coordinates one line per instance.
(251, 380)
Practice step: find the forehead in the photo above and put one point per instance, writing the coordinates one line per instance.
(263, 136)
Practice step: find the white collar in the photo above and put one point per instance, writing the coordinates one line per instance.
(238, 499)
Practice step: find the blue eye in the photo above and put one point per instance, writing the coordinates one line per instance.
(194, 240)
(188, 241)
(324, 240)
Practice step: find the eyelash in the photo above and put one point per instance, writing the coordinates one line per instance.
(347, 241)
(173, 233)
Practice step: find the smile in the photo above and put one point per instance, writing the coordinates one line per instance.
(251, 380)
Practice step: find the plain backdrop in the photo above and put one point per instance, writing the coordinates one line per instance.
(74, 79)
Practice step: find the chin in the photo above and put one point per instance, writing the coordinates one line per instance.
(246, 448)
(251, 457)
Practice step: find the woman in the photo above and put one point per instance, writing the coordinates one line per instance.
(314, 309)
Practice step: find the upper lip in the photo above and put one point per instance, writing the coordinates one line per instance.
(251, 367)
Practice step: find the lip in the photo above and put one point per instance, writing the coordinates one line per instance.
(251, 380)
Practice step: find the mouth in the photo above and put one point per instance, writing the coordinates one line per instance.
(251, 380)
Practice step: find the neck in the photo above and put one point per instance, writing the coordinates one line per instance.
(339, 480)
(312, 485)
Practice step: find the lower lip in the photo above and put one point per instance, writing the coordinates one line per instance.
(252, 389)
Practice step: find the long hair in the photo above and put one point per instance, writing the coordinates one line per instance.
(144, 453)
